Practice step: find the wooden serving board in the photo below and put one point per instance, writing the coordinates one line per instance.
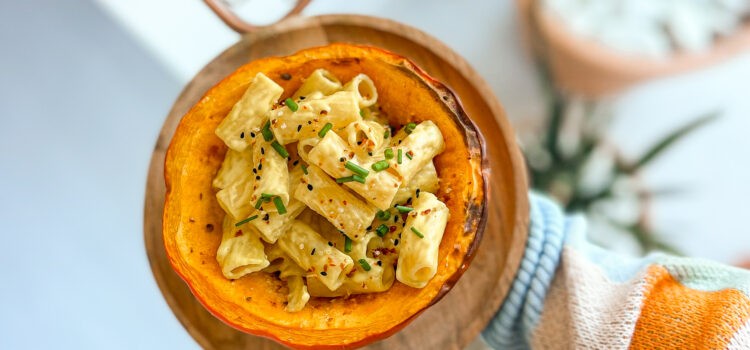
(459, 317)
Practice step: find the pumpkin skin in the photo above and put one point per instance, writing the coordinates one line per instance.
(255, 303)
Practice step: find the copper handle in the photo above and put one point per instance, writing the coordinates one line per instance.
(224, 11)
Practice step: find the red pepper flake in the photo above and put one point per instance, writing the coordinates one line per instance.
(344, 202)
(392, 229)
(238, 233)
(209, 227)
(427, 211)
(323, 112)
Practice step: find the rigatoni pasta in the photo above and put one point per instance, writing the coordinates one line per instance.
(319, 189)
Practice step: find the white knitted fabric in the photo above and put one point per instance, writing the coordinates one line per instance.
(585, 310)
(741, 340)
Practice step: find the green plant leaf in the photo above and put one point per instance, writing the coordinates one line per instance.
(665, 143)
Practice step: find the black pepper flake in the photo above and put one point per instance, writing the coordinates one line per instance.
(395, 218)
(295, 162)
(255, 171)
(368, 228)
(209, 227)
(265, 217)
(302, 98)
(342, 159)
(242, 135)
(380, 263)
(395, 242)
(252, 134)
(299, 127)
(313, 252)
(286, 76)
(309, 122)
(330, 244)
(323, 273)
(369, 153)
(260, 166)
(262, 150)
(310, 187)
(257, 177)
(418, 193)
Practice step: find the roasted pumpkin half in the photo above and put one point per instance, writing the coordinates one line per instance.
(255, 303)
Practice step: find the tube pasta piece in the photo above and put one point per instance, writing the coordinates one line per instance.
(418, 256)
(298, 295)
(379, 278)
(423, 144)
(290, 272)
(236, 167)
(271, 177)
(344, 210)
(304, 147)
(272, 224)
(241, 251)
(425, 180)
(318, 84)
(365, 136)
(380, 186)
(311, 116)
(249, 113)
(364, 89)
(313, 254)
(236, 197)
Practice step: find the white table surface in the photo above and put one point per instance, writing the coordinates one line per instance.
(75, 267)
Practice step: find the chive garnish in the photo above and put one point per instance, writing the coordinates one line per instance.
(259, 203)
(382, 230)
(361, 112)
(387, 133)
(246, 221)
(267, 196)
(304, 169)
(364, 264)
(266, 131)
(408, 155)
(381, 165)
(354, 177)
(388, 153)
(279, 205)
(403, 209)
(325, 129)
(280, 149)
(400, 156)
(410, 128)
(291, 104)
(383, 215)
(416, 232)
(347, 244)
(356, 168)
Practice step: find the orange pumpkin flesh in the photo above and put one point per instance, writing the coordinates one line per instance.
(255, 303)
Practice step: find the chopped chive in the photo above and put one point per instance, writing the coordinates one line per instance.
(347, 244)
(266, 131)
(291, 104)
(267, 196)
(280, 149)
(364, 264)
(387, 133)
(416, 232)
(403, 209)
(356, 168)
(361, 112)
(408, 155)
(279, 205)
(259, 203)
(383, 215)
(381, 165)
(400, 156)
(410, 128)
(246, 221)
(388, 153)
(325, 130)
(354, 177)
(382, 230)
